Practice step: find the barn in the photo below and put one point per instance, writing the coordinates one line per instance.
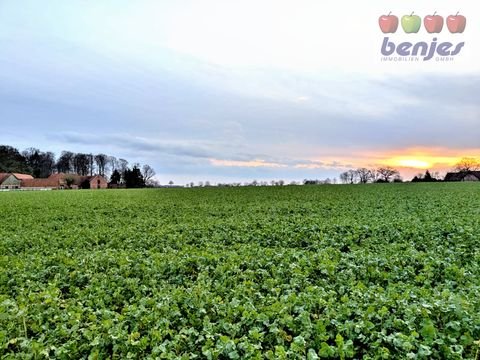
(463, 176)
(12, 180)
(66, 181)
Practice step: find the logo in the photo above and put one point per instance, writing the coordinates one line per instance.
(412, 24)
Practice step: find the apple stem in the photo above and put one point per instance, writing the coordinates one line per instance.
(412, 13)
(458, 12)
(390, 13)
(435, 13)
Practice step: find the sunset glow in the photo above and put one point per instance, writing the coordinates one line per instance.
(414, 163)
(425, 158)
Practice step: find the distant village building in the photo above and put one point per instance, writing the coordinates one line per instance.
(12, 180)
(67, 181)
(463, 176)
(9, 181)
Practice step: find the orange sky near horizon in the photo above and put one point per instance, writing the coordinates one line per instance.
(409, 161)
(412, 161)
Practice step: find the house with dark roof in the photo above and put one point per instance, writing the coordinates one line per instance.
(463, 176)
(12, 180)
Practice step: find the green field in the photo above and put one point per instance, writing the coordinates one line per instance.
(373, 271)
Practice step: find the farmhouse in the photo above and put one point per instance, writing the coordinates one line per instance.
(12, 180)
(66, 181)
(463, 176)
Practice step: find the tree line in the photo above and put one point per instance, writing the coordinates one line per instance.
(42, 164)
(388, 174)
(384, 174)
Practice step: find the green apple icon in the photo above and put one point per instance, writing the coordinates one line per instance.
(411, 23)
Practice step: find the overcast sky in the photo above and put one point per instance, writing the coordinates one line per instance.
(236, 90)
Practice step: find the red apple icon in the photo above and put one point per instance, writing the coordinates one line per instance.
(456, 23)
(433, 23)
(388, 23)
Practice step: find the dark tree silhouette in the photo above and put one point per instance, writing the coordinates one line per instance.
(101, 160)
(387, 173)
(116, 177)
(467, 164)
(133, 177)
(65, 162)
(12, 161)
(148, 173)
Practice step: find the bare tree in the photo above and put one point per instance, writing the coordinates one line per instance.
(91, 163)
(467, 164)
(364, 175)
(348, 177)
(101, 160)
(112, 160)
(65, 162)
(386, 173)
(122, 165)
(81, 164)
(344, 177)
(148, 173)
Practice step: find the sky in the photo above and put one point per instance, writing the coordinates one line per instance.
(227, 91)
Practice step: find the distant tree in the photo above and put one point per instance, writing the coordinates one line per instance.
(113, 162)
(12, 161)
(425, 178)
(386, 173)
(116, 177)
(428, 177)
(207, 183)
(133, 177)
(344, 177)
(364, 175)
(348, 177)
(69, 180)
(122, 166)
(91, 164)
(171, 183)
(418, 178)
(41, 164)
(101, 161)
(65, 162)
(48, 163)
(81, 164)
(153, 183)
(148, 173)
(467, 164)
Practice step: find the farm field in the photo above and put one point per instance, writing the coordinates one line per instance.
(362, 271)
